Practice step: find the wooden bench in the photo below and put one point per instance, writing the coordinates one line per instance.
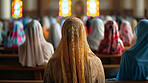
(8, 50)
(108, 67)
(37, 70)
(8, 55)
(21, 81)
(108, 55)
(126, 81)
(41, 81)
(109, 58)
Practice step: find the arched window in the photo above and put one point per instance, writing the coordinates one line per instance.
(92, 8)
(17, 9)
(64, 8)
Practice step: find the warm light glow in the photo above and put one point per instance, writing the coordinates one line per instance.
(92, 8)
(17, 9)
(64, 8)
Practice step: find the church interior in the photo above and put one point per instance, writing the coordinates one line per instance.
(67, 41)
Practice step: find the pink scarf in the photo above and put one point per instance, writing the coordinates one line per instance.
(111, 44)
(126, 34)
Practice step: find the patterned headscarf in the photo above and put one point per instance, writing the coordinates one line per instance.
(111, 44)
(73, 61)
(125, 32)
(17, 37)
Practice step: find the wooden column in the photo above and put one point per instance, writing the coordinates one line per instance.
(116, 10)
(30, 8)
(139, 11)
(127, 8)
(5, 9)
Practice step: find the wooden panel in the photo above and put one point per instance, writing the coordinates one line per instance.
(38, 75)
(126, 82)
(106, 67)
(108, 55)
(21, 81)
(8, 55)
(41, 81)
(19, 67)
(8, 50)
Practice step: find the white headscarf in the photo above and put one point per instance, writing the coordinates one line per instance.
(97, 34)
(84, 18)
(108, 18)
(55, 34)
(46, 22)
(35, 50)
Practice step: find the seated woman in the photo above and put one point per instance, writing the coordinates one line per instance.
(133, 65)
(55, 34)
(15, 37)
(35, 50)
(111, 44)
(97, 34)
(45, 26)
(73, 61)
(125, 32)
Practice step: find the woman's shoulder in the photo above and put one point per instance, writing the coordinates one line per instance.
(47, 45)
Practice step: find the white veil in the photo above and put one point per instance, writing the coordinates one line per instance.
(35, 50)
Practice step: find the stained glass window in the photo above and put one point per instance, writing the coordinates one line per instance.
(64, 8)
(17, 9)
(92, 8)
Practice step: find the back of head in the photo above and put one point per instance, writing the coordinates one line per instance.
(126, 34)
(141, 29)
(111, 28)
(45, 21)
(18, 33)
(97, 28)
(108, 18)
(97, 34)
(31, 52)
(74, 53)
(34, 31)
(111, 44)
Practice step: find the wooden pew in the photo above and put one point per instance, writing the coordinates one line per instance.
(8, 55)
(111, 70)
(37, 70)
(10, 62)
(108, 67)
(108, 55)
(126, 81)
(21, 81)
(109, 59)
(41, 81)
(8, 50)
